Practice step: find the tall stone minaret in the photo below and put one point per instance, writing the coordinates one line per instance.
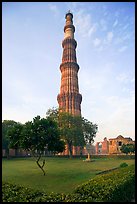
(69, 98)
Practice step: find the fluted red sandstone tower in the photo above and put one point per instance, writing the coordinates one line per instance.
(69, 98)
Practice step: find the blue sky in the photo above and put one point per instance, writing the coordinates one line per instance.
(32, 33)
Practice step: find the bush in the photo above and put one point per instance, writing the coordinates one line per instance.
(124, 164)
(117, 185)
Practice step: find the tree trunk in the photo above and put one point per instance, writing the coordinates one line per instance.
(70, 149)
(41, 166)
(7, 153)
(16, 152)
(81, 148)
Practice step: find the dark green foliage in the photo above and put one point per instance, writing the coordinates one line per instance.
(36, 136)
(70, 129)
(124, 164)
(118, 185)
(75, 130)
(41, 134)
(89, 131)
(14, 193)
(115, 186)
(53, 113)
(14, 136)
(6, 126)
(128, 148)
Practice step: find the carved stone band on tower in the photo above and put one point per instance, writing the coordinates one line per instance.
(69, 98)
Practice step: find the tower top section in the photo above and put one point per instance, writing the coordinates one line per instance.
(69, 14)
(69, 28)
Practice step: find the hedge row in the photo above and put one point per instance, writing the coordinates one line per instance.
(14, 193)
(117, 185)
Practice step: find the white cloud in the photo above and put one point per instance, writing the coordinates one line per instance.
(103, 24)
(54, 9)
(92, 29)
(85, 27)
(122, 38)
(122, 49)
(118, 40)
(126, 26)
(115, 23)
(127, 36)
(109, 36)
(96, 42)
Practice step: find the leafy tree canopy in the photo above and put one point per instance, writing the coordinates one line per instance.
(6, 126)
(75, 130)
(128, 148)
(36, 136)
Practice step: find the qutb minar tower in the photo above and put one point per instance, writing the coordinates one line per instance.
(69, 98)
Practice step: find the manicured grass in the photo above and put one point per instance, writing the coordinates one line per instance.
(62, 174)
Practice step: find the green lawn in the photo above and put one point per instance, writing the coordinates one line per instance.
(62, 174)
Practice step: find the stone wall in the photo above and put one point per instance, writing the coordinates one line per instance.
(113, 145)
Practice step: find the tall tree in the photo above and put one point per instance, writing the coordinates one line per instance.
(75, 130)
(71, 130)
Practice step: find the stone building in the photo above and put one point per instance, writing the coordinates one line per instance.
(113, 145)
(116, 143)
(102, 147)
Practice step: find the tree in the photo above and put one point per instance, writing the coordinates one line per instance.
(89, 130)
(128, 148)
(14, 136)
(37, 136)
(53, 113)
(75, 130)
(6, 125)
(71, 130)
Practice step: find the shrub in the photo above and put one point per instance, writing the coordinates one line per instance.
(117, 185)
(124, 164)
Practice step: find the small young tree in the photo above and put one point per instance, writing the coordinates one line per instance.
(38, 135)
